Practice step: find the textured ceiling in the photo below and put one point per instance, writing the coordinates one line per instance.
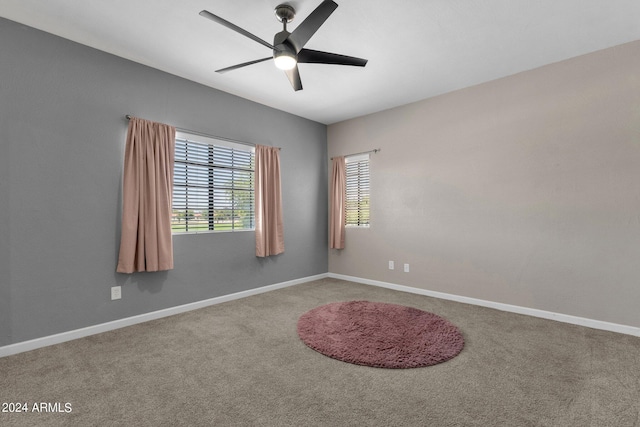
(416, 48)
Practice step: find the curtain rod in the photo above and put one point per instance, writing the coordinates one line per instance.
(128, 117)
(375, 150)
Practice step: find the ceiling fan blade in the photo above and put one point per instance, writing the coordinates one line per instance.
(310, 25)
(235, 28)
(244, 64)
(294, 77)
(318, 57)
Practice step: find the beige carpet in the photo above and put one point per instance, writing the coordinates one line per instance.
(242, 363)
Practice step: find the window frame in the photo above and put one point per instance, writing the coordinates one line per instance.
(198, 184)
(358, 187)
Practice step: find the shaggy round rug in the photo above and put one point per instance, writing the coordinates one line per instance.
(379, 334)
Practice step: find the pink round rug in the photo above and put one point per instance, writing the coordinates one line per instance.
(379, 334)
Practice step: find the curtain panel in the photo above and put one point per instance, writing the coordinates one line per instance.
(146, 243)
(268, 195)
(337, 195)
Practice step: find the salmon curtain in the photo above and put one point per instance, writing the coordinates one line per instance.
(145, 243)
(268, 195)
(337, 199)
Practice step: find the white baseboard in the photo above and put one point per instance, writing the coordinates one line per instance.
(580, 321)
(121, 323)
(128, 321)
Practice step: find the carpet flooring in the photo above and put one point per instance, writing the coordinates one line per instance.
(241, 363)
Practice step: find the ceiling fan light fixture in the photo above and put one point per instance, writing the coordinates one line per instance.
(288, 48)
(285, 60)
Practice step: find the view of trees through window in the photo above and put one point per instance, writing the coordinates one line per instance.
(212, 186)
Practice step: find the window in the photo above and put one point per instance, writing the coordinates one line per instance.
(212, 185)
(358, 194)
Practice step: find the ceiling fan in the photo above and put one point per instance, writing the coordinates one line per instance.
(288, 48)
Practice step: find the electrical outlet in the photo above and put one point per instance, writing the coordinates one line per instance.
(406, 268)
(391, 266)
(116, 292)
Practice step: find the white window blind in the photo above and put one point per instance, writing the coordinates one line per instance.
(212, 185)
(357, 191)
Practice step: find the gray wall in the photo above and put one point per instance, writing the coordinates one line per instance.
(5, 277)
(62, 107)
(524, 190)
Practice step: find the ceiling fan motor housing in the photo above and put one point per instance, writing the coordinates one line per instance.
(283, 47)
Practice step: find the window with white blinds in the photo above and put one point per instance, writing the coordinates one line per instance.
(212, 185)
(357, 191)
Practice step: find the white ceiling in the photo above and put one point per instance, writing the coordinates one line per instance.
(416, 48)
